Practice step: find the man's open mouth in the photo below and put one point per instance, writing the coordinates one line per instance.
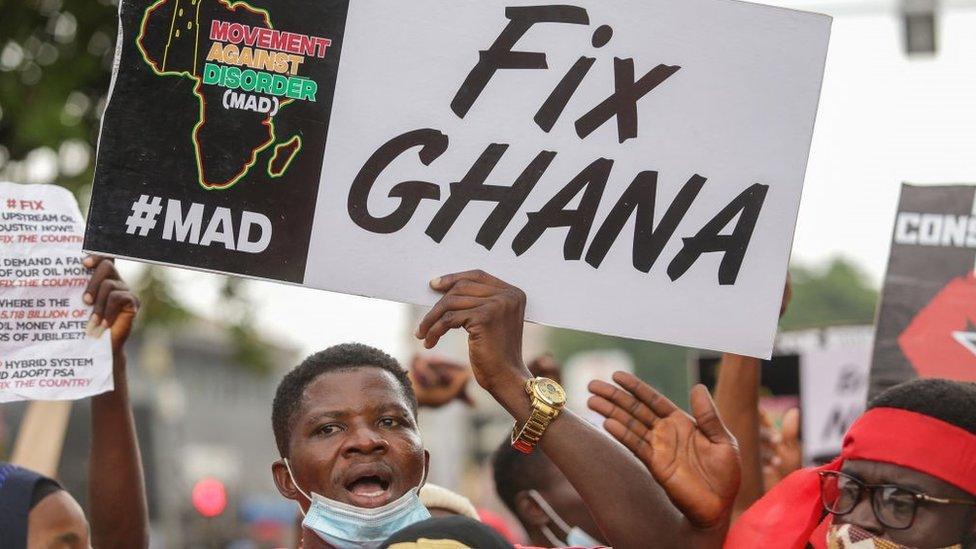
(369, 488)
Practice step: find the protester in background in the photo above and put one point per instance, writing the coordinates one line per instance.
(34, 510)
(906, 477)
(551, 511)
(351, 454)
(781, 452)
(737, 399)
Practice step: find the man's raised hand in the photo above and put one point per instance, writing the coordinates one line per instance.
(114, 305)
(438, 381)
(492, 312)
(695, 459)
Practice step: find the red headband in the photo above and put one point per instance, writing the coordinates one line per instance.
(788, 514)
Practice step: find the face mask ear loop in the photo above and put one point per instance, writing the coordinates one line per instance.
(556, 542)
(297, 487)
(551, 513)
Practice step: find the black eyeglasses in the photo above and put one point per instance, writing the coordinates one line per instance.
(894, 506)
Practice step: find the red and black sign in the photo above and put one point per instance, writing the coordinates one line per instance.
(927, 323)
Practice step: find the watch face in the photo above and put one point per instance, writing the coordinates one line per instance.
(550, 392)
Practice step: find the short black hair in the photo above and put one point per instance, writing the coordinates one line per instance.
(347, 356)
(953, 402)
(516, 472)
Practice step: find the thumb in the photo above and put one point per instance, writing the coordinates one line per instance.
(706, 415)
(122, 326)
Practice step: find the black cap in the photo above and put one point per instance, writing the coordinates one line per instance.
(468, 532)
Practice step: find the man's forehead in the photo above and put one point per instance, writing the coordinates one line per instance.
(343, 390)
(879, 472)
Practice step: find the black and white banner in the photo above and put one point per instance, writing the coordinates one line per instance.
(927, 322)
(635, 166)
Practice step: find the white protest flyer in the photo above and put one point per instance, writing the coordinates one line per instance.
(634, 166)
(45, 353)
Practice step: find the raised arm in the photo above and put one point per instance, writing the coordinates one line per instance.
(693, 457)
(116, 488)
(737, 399)
(630, 508)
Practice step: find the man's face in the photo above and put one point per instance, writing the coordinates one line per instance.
(354, 440)
(935, 525)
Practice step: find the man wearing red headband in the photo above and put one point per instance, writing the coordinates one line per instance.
(906, 477)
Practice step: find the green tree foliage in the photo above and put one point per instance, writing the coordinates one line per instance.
(55, 67)
(836, 293)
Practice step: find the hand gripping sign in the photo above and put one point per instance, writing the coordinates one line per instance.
(634, 166)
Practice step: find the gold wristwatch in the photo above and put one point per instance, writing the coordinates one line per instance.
(548, 399)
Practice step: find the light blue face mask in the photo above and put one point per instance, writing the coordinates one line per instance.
(346, 526)
(575, 536)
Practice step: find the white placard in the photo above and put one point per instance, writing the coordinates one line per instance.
(44, 352)
(635, 166)
(834, 390)
(736, 108)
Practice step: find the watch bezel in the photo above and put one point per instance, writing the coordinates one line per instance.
(537, 391)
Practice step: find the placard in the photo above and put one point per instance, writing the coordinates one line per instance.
(927, 320)
(45, 352)
(634, 166)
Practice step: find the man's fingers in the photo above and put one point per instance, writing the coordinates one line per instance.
(447, 321)
(447, 303)
(92, 261)
(658, 403)
(119, 302)
(446, 282)
(105, 288)
(628, 438)
(706, 415)
(619, 398)
(104, 270)
(609, 410)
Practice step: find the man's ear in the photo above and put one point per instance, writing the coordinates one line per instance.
(282, 480)
(529, 511)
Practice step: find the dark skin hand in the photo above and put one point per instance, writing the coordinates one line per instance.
(546, 366)
(438, 381)
(629, 507)
(116, 494)
(694, 458)
(935, 525)
(782, 452)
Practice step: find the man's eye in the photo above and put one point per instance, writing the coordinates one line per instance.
(328, 429)
(389, 422)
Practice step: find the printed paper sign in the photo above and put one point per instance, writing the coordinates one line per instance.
(833, 390)
(634, 166)
(44, 352)
(927, 323)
